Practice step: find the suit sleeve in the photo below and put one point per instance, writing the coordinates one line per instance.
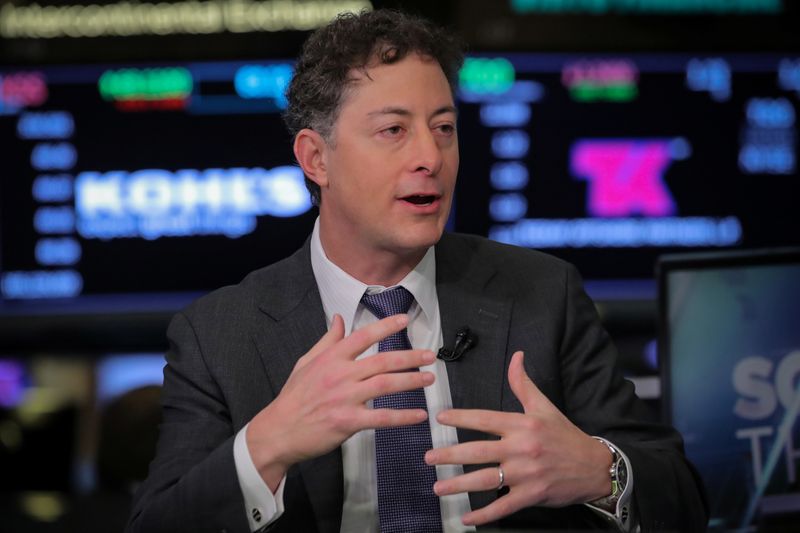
(668, 494)
(192, 483)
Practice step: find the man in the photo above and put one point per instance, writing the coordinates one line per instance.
(292, 401)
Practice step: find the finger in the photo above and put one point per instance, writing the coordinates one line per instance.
(468, 453)
(384, 418)
(359, 340)
(500, 508)
(494, 422)
(480, 480)
(386, 362)
(331, 337)
(522, 386)
(384, 384)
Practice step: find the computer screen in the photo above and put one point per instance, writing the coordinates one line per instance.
(151, 179)
(608, 161)
(730, 360)
(131, 180)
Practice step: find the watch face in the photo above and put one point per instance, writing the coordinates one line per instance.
(622, 474)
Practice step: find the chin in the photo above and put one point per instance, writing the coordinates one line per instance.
(420, 238)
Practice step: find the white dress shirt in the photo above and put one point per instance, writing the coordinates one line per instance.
(341, 293)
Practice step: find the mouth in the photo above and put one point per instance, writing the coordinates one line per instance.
(420, 199)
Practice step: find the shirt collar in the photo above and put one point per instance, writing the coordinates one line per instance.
(341, 293)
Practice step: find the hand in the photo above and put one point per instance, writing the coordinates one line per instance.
(546, 459)
(324, 400)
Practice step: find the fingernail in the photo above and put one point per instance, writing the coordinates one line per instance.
(436, 488)
(427, 378)
(429, 357)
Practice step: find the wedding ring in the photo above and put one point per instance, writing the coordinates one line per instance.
(502, 477)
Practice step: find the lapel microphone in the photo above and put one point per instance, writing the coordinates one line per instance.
(465, 340)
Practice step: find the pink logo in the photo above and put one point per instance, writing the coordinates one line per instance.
(626, 177)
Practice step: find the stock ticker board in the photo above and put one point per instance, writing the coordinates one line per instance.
(134, 178)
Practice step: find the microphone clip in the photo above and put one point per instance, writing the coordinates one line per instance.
(465, 340)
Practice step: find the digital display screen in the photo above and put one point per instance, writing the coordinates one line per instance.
(179, 177)
(733, 348)
(610, 161)
(146, 179)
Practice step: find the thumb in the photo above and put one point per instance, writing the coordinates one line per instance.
(331, 337)
(523, 388)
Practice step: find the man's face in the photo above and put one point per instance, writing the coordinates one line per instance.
(392, 166)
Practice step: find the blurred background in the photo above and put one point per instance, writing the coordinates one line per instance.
(144, 162)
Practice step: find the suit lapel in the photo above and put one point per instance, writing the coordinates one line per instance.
(467, 298)
(294, 322)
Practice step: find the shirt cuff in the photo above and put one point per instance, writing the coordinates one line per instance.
(261, 505)
(622, 514)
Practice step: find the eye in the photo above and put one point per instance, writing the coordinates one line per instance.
(392, 131)
(446, 129)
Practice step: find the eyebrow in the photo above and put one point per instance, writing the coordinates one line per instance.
(405, 112)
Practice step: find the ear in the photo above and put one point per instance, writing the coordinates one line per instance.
(309, 150)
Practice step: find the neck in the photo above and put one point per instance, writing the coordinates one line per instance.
(366, 264)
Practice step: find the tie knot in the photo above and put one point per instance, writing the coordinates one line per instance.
(388, 303)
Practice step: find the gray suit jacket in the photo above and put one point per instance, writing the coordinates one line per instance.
(232, 351)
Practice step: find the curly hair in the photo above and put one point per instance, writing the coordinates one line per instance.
(353, 41)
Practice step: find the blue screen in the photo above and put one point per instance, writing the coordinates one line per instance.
(734, 363)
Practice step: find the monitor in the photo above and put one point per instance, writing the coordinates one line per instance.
(730, 362)
(135, 187)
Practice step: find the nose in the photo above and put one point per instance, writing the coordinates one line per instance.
(426, 153)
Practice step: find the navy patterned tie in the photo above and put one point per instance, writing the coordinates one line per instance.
(406, 502)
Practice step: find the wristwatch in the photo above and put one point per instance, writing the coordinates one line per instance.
(616, 506)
